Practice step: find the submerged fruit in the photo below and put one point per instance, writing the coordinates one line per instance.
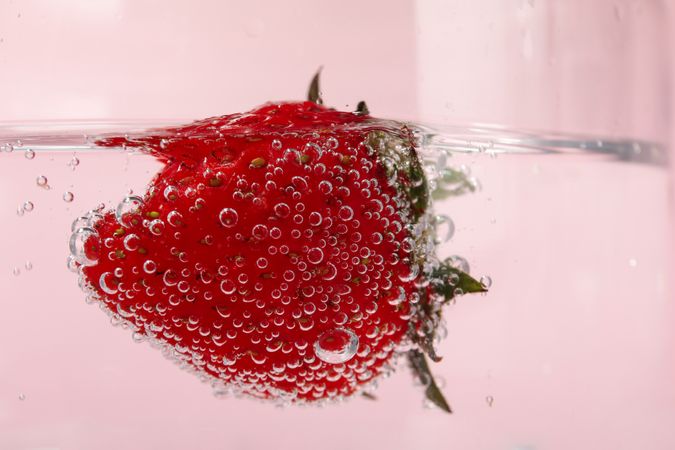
(286, 253)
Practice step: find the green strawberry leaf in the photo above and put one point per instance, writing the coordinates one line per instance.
(314, 92)
(368, 396)
(452, 183)
(419, 190)
(362, 108)
(420, 366)
(453, 282)
(401, 161)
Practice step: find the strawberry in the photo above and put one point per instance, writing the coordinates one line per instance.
(285, 253)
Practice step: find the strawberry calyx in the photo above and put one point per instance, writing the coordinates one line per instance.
(441, 282)
(198, 264)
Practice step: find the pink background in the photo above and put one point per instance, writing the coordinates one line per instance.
(585, 365)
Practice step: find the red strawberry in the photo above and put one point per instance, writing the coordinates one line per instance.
(283, 253)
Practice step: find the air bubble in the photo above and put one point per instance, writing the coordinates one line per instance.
(131, 242)
(175, 219)
(262, 263)
(486, 281)
(228, 217)
(336, 346)
(282, 210)
(260, 231)
(171, 193)
(399, 298)
(408, 244)
(30, 154)
(149, 266)
(156, 227)
(72, 264)
(28, 206)
(410, 273)
(127, 208)
(299, 183)
(460, 263)
(315, 219)
(315, 255)
(84, 246)
(325, 187)
(345, 213)
(227, 287)
(68, 196)
(108, 283)
(170, 278)
(330, 272)
(80, 222)
(42, 181)
(445, 228)
(228, 362)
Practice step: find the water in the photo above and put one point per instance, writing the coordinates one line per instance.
(573, 343)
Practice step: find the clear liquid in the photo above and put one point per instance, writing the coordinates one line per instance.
(571, 348)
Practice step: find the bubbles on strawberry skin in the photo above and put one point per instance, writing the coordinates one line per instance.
(287, 266)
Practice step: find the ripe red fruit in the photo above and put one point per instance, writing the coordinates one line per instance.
(276, 254)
